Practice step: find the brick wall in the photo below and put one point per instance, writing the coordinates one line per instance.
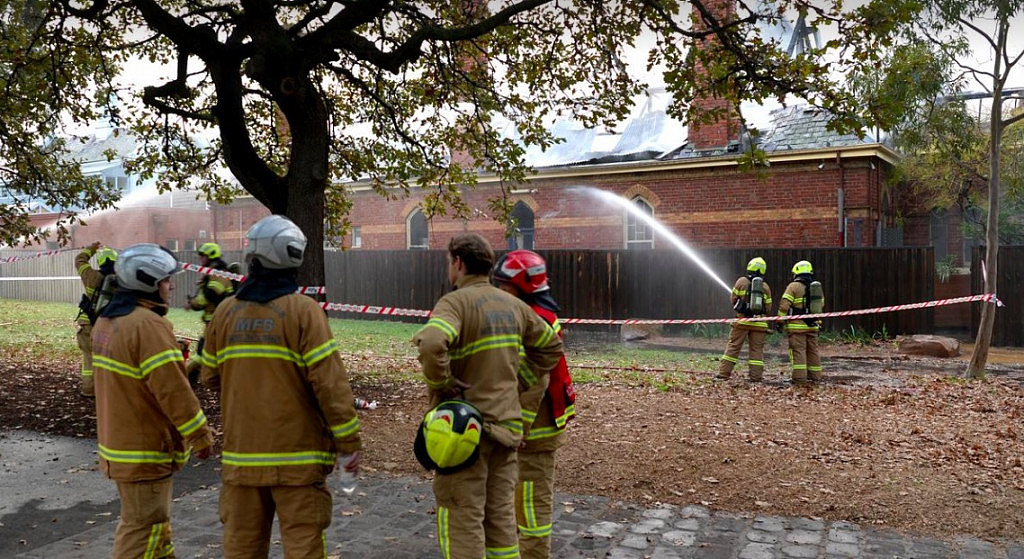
(795, 206)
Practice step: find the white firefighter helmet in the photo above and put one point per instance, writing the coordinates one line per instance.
(142, 266)
(275, 242)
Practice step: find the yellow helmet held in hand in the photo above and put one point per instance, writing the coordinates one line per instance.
(802, 267)
(448, 439)
(758, 265)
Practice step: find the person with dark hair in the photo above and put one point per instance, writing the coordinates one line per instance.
(523, 273)
(147, 417)
(287, 405)
(470, 351)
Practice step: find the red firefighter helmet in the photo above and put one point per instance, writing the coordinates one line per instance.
(524, 269)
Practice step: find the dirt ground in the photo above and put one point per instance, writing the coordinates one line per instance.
(887, 440)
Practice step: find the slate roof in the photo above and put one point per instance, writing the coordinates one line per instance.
(800, 127)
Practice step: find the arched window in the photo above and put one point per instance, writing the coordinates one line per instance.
(418, 236)
(639, 233)
(522, 237)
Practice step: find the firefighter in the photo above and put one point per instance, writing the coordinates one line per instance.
(210, 291)
(751, 297)
(286, 401)
(147, 416)
(98, 288)
(470, 350)
(523, 273)
(803, 295)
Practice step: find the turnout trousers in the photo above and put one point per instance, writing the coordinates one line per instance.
(804, 356)
(84, 338)
(303, 514)
(535, 500)
(755, 357)
(145, 526)
(475, 507)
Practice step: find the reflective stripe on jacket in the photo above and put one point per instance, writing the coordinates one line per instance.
(558, 405)
(147, 415)
(739, 291)
(794, 299)
(480, 334)
(211, 290)
(92, 279)
(287, 405)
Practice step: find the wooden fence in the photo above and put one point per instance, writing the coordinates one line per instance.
(601, 284)
(1008, 329)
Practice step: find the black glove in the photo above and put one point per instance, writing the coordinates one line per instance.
(777, 325)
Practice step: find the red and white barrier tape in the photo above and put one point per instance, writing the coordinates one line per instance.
(312, 290)
(40, 254)
(393, 311)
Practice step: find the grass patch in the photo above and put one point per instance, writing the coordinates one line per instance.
(372, 350)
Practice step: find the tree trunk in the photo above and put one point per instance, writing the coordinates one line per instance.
(979, 359)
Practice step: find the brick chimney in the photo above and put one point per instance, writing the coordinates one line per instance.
(719, 133)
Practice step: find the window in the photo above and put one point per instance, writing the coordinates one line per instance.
(357, 237)
(121, 183)
(639, 234)
(190, 245)
(522, 236)
(418, 234)
(172, 244)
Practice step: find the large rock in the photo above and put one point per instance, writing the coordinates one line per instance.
(928, 346)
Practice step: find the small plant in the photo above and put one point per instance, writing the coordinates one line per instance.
(944, 268)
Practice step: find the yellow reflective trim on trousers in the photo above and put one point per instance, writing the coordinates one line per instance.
(154, 362)
(511, 552)
(435, 384)
(261, 459)
(320, 352)
(141, 456)
(487, 343)
(531, 529)
(444, 541)
(192, 425)
(752, 323)
(449, 331)
(115, 366)
(258, 352)
(543, 433)
(345, 429)
(154, 539)
(514, 425)
(528, 416)
(730, 359)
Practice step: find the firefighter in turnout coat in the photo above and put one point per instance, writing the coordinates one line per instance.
(802, 333)
(287, 404)
(92, 282)
(147, 415)
(744, 301)
(210, 291)
(470, 349)
(523, 273)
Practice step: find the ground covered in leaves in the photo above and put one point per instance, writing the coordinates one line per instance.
(887, 440)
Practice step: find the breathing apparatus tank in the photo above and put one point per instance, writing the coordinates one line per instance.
(815, 297)
(105, 293)
(756, 294)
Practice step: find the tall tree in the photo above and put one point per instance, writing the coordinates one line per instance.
(302, 95)
(950, 24)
